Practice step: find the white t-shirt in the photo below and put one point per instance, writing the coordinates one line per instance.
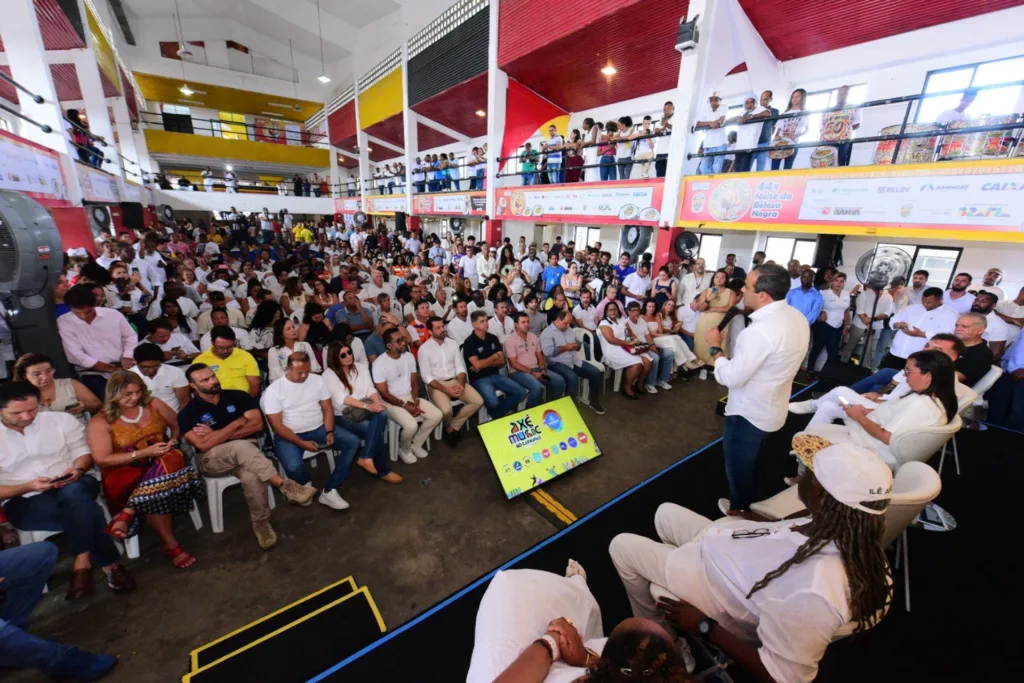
(961, 305)
(588, 316)
(748, 133)
(636, 284)
(713, 137)
(913, 411)
(299, 404)
(501, 330)
(865, 305)
(242, 340)
(396, 373)
(167, 379)
(835, 306)
(459, 329)
(362, 386)
(555, 140)
(998, 330)
(277, 359)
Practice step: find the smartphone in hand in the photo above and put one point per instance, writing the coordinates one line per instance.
(63, 477)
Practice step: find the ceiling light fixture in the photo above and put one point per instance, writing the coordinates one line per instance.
(228, 168)
(609, 70)
(481, 113)
(323, 77)
(186, 91)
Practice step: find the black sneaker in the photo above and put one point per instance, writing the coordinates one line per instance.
(452, 438)
(596, 406)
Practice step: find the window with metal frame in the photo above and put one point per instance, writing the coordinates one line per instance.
(709, 249)
(585, 236)
(991, 101)
(782, 250)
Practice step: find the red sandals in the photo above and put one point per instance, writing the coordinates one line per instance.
(178, 557)
(123, 516)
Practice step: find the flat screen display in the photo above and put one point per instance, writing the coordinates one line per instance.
(534, 446)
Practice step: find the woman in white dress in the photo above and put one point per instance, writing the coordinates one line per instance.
(665, 339)
(286, 342)
(615, 340)
(293, 300)
(591, 136)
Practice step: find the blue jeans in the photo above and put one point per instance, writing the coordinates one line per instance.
(371, 432)
(25, 570)
(555, 174)
(607, 168)
(741, 442)
(480, 184)
(420, 186)
(712, 164)
(499, 407)
(529, 178)
(875, 382)
(345, 446)
(625, 167)
(761, 158)
(787, 162)
(571, 376)
(843, 152)
(826, 338)
(662, 362)
(885, 338)
(72, 510)
(535, 387)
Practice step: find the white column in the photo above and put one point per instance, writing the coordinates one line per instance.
(497, 85)
(361, 142)
(126, 140)
(96, 109)
(688, 99)
(409, 123)
(335, 172)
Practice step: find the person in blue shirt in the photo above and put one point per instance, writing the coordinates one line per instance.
(806, 298)
(552, 274)
(623, 268)
(1006, 397)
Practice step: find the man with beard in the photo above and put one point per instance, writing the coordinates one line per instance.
(918, 284)
(990, 283)
(957, 297)
(997, 332)
(222, 425)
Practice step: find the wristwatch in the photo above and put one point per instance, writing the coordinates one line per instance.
(705, 625)
(714, 351)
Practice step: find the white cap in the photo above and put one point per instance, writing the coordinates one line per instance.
(852, 475)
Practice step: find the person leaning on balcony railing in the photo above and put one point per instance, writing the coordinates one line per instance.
(791, 130)
(712, 120)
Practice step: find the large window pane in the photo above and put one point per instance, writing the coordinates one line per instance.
(996, 102)
(1002, 71)
(710, 246)
(803, 251)
(931, 107)
(940, 264)
(944, 81)
(779, 249)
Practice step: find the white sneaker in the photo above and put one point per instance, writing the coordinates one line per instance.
(723, 505)
(407, 457)
(803, 407)
(333, 499)
(703, 374)
(651, 389)
(418, 451)
(665, 385)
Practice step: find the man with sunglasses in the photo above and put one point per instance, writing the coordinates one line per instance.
(398, 383)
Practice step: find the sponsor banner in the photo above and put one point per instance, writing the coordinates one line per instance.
(97, 186)
(268, 130)
(531, 447)
(348, 205)
(625, 203)
(33, 170)
(454, 204)
(388, 205)
(980, 197)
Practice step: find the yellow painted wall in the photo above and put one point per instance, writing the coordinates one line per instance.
(104, 53)
(383, 100)
(164, 142)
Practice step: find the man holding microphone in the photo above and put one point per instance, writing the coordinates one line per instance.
(759, 377)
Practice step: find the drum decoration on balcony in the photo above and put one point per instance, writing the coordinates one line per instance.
(837, 126)
(824, 157)
(787, 132)
(781, 153)
(994, 143)
(912, 150)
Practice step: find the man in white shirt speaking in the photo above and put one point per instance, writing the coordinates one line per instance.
(759, 377)
(444, 373)
(772, 595)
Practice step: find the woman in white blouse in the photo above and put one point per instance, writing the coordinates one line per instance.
(832, 324)
(358, 408)
(931, 403)
(286, 342)
(666, 339)
(615, 340)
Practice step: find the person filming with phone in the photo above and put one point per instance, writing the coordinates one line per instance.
(45, 485)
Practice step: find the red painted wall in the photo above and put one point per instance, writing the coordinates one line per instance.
(341, 124)
(525, 25)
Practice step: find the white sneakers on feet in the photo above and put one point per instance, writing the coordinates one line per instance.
(803, 407)
(333, 499)
(407, 457)
(651, 389)
(665, 385)
(703, 373)
(418, 451)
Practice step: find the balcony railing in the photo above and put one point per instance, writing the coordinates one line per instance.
(231, 130)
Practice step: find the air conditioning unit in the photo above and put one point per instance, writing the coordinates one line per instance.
(688, 34)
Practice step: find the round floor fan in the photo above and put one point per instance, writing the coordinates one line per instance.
(878, 267)
(686, 245)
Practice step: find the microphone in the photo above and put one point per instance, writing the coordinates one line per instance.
(729, 315)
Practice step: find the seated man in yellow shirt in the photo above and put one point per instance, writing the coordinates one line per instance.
(235, 368)
(304, 234)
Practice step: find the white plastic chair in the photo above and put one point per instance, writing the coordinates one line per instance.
(581, 335)
(439, 429)
(215, 487)
(393, 436)
(132, 544)
(967, 403)
(914, 487)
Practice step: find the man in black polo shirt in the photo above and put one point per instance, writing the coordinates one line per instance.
(977, 358)
(484, 357)
(219, 425)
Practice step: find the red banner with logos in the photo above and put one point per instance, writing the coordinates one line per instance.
(626, 202)
(968, 196)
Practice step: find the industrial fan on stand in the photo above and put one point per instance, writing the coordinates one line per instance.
(877, 269)
(686, 245)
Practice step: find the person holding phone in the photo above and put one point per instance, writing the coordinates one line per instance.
(60, 395)
(713, 303)
(45, 486)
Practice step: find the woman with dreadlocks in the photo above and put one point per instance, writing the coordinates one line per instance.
(772, 595)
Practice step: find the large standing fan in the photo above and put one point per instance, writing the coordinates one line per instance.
(359, 218)
(634, 241)
(31, 259)
(166, 214)
(456, 226)
(686, 245)
(877, 268)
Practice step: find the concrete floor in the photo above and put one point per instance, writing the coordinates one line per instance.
(412, 544)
